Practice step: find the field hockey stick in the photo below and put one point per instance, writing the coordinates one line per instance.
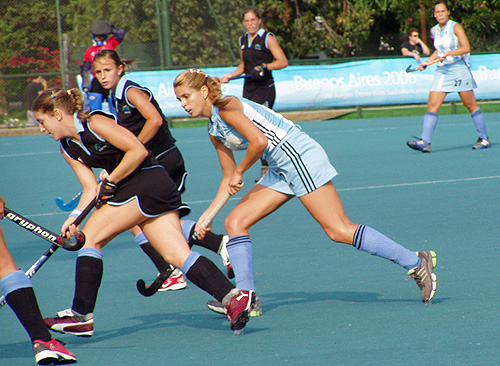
(162, 277)
(35, 267)
(241, 77)
(49, 235)
(410, 69)
(71, 205)
(45, 256)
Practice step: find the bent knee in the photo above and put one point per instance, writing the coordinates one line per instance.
(343, 234)
(235, 224)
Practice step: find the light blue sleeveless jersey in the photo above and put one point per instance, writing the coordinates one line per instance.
(273, 125)
(445, 40)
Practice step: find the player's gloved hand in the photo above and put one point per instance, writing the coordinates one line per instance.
(259, 71)
(107, 191)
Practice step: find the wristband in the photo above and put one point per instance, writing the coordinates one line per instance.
(75, 213)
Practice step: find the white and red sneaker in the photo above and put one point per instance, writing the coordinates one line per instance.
(238, 304)
(66, 322)
(52, 352)
(176, 281)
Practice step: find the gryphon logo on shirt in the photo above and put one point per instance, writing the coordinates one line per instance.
(126, 109)
(99, 146)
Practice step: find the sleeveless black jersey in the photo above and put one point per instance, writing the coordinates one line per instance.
(94, 151)
(256, 54)
(130, 117)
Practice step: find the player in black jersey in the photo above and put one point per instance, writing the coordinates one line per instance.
(138, 111)
(260, 54)
(137, 191)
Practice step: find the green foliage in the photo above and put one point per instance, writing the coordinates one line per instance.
(206, 32)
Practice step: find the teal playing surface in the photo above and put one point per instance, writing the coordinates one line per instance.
(324, 303)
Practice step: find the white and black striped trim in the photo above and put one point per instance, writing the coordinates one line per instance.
(299, 165)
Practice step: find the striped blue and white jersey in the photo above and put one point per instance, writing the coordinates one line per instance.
(445, 40)
(273, 125)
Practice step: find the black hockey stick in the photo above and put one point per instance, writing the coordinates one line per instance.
(243, 76)
(162, 277)
(410, 69)
(49, 235)
(45, 256)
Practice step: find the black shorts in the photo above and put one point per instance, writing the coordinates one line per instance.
(154, 190)
(262, 93)
(173, 162)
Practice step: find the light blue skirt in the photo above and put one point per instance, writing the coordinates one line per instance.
(455, 77)
(297, 166)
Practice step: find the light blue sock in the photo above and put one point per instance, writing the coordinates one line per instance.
(141, 238)
(190, 260)
(430, 122)
(371, 241)
(478, 119)
(187, 226)
(241, 256)
(14, 281)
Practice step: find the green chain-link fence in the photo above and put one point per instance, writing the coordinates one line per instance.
(160, 34)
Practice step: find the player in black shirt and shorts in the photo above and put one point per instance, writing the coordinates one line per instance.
(260, 54)
(137, 191)
(139, 112)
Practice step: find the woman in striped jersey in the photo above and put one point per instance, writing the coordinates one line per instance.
(298, 166)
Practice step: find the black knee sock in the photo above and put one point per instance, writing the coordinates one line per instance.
(204, 274)
(23, 302)
(87, 281)
(157, 259)
(211, 241)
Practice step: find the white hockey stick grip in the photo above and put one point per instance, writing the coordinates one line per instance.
(216, 210)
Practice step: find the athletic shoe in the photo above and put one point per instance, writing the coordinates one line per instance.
(217, 307)
(481, 144)
(52, 352)
(424, 276)
(176, 281)
(420, 145)
(238, 304)
(66, 322)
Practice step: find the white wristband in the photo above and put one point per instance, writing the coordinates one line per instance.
(76, 212)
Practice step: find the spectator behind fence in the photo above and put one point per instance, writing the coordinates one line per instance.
(414, 46)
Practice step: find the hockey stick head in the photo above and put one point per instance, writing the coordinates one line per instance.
(72, 246)
(154, 287)
(410, 69)
(70, 206)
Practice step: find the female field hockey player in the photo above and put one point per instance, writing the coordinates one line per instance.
(137, 191)
(18, 291)
(138, 111)
(298, 166)
(260, 54)
(452, 75)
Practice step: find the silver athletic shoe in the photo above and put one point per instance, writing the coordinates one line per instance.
(481, 144)
(424, 276)
(420, 145)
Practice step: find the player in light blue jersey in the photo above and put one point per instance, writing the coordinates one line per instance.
(452, 75)
(298, 166)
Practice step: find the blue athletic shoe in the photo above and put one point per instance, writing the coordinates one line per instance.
(420, 145)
